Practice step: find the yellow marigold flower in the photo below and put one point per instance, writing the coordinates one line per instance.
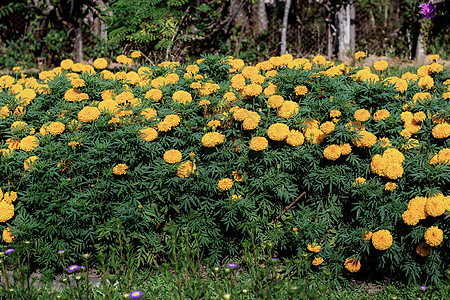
(237, 177)
(278, 131)
(444, 95)
(435, 206)
(288, 109)
(365, 139)
(314, 247)
(251, 121)
(258, 143)
(225, 184)
(441, 131)
(361, 115)
(346, 149)
(352, 265)
(135, 54)
(239, 114)
(109, 106)
(258, 79)
(100, 63)
(314, 135)
(410, 217)
(249, 71)
(360, 55)
(148, 134)
(172, 156)
(192, 69)
(123, 59)
(66, 64)
(157, 83)
(393, 171)
(270, 90)
(164, 126)
(275, 101)
(149, 113)
(381, 115)
(182, 97)
(443, 156)
(7, 236)
(132, 78)
(434, 236)
(6, 211)
(88, 114)
(30, 162)
(73, 144)
(212, 139)
(125, 97)
(13, 143)
(317, 261)
(154, 94)
(332, 152)
(417, 204)
(419, 116)
(423, 249)
(319, 60)
(204, 102)
(390, 186)
(327, 127)
(380, 65)
(436, 68)
(237, 82)
(301, 90)
(29, 143)
(433, 57)
(382, 239)
(359, 181)
(4, 111)
(18, 126)
(252, 90)
(9, 197)
(236, 64)
(55, 128)
(426, 82)
(186, 169)
(172, 119)
(393, 155)
(334, 113)
(367, 235)
(295, 138)
(26, 96)
(120, 169)
(171, 78)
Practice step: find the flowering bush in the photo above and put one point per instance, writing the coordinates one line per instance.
(92, 158)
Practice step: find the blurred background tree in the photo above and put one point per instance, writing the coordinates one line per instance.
(44, 32)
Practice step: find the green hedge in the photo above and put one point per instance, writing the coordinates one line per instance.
(340, 153)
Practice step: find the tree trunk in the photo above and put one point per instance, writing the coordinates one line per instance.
(79, 41)
(284, 28)
(344, 44)
(260, 16)
(97, 29)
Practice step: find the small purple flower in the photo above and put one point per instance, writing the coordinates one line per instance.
(427, 10)
(86, 255)
(61, 252)
(73, 268)
(9, 251)
(136, 294)
(423, 288)
(274, 258)
(232, 266)
(83, 267)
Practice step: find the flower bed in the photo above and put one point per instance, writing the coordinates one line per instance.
(92, 159)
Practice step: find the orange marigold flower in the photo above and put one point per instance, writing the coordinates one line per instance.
(410, 217)
(317, 261)
(278, 131)
(441, 131)
(6, 211)
(275, 101)
(55, 128)
(334, 113)
(30, 162)
(100, 63)
(88, 114)
(346, 149)
(381, 115)
(172, 156)
(120, 169)
(225, 184)
(435, 206)
(434, 236)
(314, 247)
(295, 138)
(423, 249)
(382, 239)
(352, 265)
(365, 139)
(185, 169)
(380, 65)
(212, 139)
(288, 109)
(327, 127)
(148, 134)
(360, 55)
(301, 90)
(390, 186)
(7, 236)
(182, 97)
(359, 181)
(258, 143)
(29, 143)
(367, 235)
(332, 152)
(361, 115)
